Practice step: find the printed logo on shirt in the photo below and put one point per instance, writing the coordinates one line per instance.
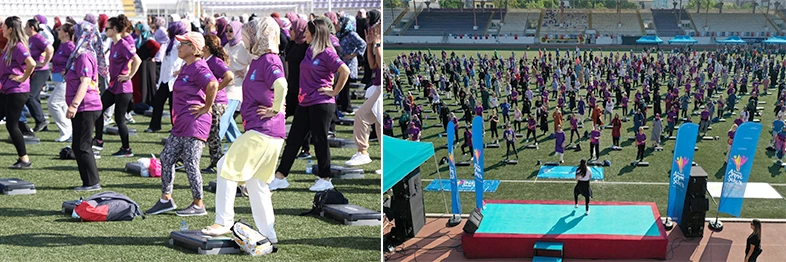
(208, 75)
(87, 70)
(276, 72)
(338, 60)
(253, 75)
(316, 62)
(26, 54)
(185, 78)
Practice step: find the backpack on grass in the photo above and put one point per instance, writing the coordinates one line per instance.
(327, 197)
(108, 206)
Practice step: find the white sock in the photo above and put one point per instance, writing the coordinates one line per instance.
(163, 201)
(561, 156)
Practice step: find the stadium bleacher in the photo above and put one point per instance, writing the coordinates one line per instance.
(747, 24)
(567, 22)
(518, 21)
(439, 22)
(608, 23)
(62, 8)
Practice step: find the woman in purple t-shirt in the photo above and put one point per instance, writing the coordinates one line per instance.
(370, 112)
(216, 55)
(641, 142)
(56, 103)
(193, 92)
(252, 157)
(41, 50)
(123, 65)
(316, 103)
(81, 94)
(16, 66)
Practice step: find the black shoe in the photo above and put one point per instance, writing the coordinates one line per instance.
(304, 155)
(41, 126)
(98, 145)
(209, 170)
(28, 134)
(123, 152)
(21, 165)
(150, 130)
(88, 188)
(159, 207)
(192, 210)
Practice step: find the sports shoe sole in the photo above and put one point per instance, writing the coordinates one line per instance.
(98, 148)
(126, 155)
(358, 163)
(191, 215)
(161, 211)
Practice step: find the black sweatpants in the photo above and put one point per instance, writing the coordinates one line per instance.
(342, 101)
(596, 149)
(37, 83)
(511, 145)
(531, 132)
(640, 153)
(11, 106)
(162, 95)
(615, 141)
(121, 102)
(582, 188)
(574, 131)
(82, 144)
(316, 120)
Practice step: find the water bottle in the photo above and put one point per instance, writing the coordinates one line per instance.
(183, 226)
(73, 213)
(309, 167)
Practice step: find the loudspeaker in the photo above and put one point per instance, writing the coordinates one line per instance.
(695, 206)
(473, 222)
(692, 225)
(697, 184)
(407, 207)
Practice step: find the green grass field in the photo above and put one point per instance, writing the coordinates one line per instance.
(32, 227)
(525, 185)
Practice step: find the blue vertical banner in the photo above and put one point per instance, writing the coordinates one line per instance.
(680, 169)
(454, 193)
(477, 153)
(738, 168)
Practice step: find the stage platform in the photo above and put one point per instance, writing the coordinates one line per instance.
(612, 230)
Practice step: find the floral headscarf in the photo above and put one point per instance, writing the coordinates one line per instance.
(346, 25)
(261, 36)
(90, 41)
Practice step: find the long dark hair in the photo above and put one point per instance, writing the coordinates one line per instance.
(33, 23)
(582, 170)
(16, 35)
(213, 44)
(756, 228)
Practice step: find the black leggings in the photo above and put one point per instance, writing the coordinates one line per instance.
(640, 153)
(82, 144)
(11, 106)
(162, 95)
(574, 131)
(316, 120)
(511, 145)
(464, 146)
(121, 102)
(532, 132)
(615, 140)
(595, 148)
(582, 188)
(37, 82)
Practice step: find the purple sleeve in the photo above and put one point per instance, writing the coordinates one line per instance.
(273, 73)
(82, 67)
(42, 44)
(333, 62)
(202, 77)
(128, 51)
(220, 68)
(21, 53)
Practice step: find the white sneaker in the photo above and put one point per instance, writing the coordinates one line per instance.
(379, 171)
(321, 185)
(63, 138)
(587, 213)
(278, 184)
(576, 206)
(358, 159)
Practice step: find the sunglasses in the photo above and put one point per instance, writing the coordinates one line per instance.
(185, 43)
(229, 31)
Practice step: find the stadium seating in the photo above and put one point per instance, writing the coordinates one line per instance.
(518, 21)
(62, 8)
(748, 24)
(607, 23)
(569, 22)
(666, 23)
(439, 22)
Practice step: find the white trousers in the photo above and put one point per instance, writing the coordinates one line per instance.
(260, 198)
(57, 109)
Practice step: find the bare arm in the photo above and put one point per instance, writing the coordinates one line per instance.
(226, 79)
(49, 52)
(135, 63)
(210, 97)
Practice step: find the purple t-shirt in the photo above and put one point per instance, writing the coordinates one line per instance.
(120, 64)
(60, 58)
(705, 115)
(509, 135)
(479, 111)
(189, 90)
(219, 68)
(17, 67)
(574, 123)
(595, 137)
(559, 138)
(38, 46)
(640, 138)
(334, 41)
(84, 66)
(414, 132)
(377, 81)
(258, 91)
(531, 124)
(316, 73)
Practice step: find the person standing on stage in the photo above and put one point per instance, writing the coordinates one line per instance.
(595, 143)
(123, 65)
(583, 175)
(510, 138)
(560, 143)
(641, 142)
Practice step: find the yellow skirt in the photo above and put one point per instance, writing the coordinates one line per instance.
(253, 154)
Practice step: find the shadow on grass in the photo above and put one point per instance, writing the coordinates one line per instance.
(26, 212)
(721, 171)
(775, 169)
(360, 243)
(59, 240)
(626, 169)
(533, 174)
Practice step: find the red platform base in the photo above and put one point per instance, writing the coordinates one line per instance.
(595, 246)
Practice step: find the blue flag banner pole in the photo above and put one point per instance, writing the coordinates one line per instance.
(680, 170)
(477, 148)
(454, 194)
(738, 168)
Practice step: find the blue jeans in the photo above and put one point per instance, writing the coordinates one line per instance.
(228, 125)
(23, 118)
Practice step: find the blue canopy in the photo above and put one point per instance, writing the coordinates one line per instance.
(776, 40)
(649, 39)
(732, 40)
(401, 157)
(682, 39)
